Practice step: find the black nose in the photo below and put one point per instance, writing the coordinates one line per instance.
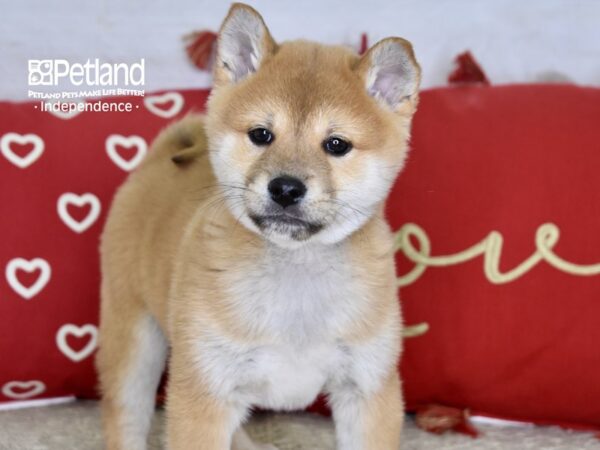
(286, 190)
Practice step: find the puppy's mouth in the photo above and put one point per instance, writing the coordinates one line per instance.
(297, 228)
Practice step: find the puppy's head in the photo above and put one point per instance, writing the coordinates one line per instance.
(307, 139)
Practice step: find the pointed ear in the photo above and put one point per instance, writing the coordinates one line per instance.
(243, 44)
(390, 72)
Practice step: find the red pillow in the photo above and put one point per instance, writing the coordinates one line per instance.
(503, 188)
(58, 174)
(507, 159)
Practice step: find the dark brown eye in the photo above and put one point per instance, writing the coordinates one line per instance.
(261, 136)
(336, 146)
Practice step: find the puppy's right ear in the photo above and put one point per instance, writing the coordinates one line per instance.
(243, 44)
(391, 73)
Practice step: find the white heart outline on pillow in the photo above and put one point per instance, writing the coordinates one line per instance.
(70, 198)
(62, 114)
(152, 102)
(36, 387)
(126, 141)
(22, 162)
(71, 329)
(28, 266)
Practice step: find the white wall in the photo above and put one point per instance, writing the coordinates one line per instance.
(515, 40)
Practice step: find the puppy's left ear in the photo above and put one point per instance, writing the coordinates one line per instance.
(391, 73)
(243, 44)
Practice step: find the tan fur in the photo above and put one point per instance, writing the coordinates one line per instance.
(171, 245)
(385, 415)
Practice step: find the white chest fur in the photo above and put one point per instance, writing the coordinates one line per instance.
(299, 296)
(300, 303)
(271, 375)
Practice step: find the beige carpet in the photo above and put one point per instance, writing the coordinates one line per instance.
(76, 426)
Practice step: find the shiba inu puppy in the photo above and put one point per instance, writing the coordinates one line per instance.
(251, 242)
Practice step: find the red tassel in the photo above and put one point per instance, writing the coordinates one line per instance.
(438, 419)
(467, 70)
(364, 43)
(200, 48)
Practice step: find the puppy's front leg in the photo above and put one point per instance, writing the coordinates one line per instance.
(197, 419)
(369, 421)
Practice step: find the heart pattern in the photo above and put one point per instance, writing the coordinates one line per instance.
(69, 198)
(58, 173)
(22, 390)
(156, 104)
(42, 280)
(79, 332)
(6, 147)
(73, 330)
(137, 142)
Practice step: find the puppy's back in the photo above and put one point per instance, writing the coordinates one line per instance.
(148, 216)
